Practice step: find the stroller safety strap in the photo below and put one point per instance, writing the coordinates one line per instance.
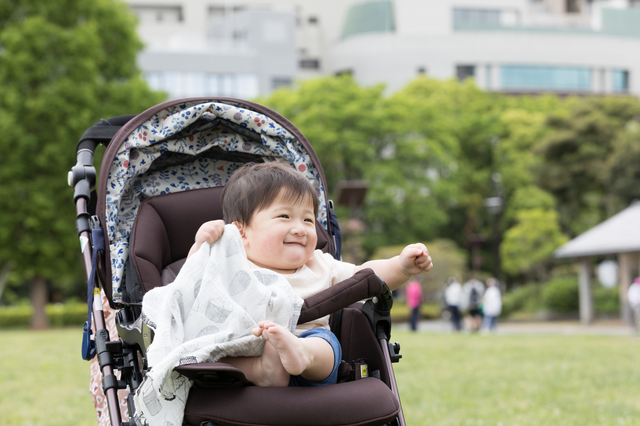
(88, 344)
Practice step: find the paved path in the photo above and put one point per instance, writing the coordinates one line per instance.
(602, 327)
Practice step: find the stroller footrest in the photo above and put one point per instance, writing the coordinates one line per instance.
(214, 374)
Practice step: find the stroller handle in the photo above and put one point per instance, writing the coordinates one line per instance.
(82, 177)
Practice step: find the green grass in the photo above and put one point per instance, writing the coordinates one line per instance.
(444, 379)
(43, 379)
(518, 380)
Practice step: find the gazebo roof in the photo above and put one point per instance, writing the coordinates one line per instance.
(618, 234)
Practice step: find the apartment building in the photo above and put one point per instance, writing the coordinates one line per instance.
(247, 48)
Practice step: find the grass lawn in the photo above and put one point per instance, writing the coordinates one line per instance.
(43, 379)
(444, 379)
(465, 379)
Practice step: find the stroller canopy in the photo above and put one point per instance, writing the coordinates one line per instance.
(191, 144)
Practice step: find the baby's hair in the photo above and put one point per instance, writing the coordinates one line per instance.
(254, 186)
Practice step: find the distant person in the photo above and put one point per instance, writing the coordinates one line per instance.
(491, 305)
(472, 291)
(414, 300)
(633, 298)
(453, 297)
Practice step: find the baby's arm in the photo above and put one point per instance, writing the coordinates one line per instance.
(209, 232)
(396, 271)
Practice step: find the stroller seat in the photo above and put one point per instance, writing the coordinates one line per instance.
(162, 235)
(362, 402)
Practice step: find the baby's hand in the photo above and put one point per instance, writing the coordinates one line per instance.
(210, 232)
(415, 259)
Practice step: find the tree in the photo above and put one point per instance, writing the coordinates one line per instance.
(576, 165)
(623, 173)
(528, 246)
(63, 66)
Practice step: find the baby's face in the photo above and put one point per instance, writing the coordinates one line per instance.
(281, 237)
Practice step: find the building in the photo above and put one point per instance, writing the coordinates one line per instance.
(247, 48)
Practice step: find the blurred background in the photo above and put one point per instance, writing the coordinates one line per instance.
(495, 131)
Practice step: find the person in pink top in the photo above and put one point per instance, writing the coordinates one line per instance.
(414, 300)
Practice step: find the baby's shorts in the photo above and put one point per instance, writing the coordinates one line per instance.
(337, 358)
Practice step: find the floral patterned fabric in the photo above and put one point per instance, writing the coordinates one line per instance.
(189, 146)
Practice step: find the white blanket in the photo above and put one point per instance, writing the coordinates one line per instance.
(207, 313)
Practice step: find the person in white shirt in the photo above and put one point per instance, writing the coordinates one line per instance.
(633, 298)
(453, 298)
(491, 305)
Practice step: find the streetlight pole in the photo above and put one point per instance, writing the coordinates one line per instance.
(351, 193)
(495, 206)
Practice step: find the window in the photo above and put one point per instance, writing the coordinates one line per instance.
(158, 14)
(192, 84)
(476, 17)
(310, 64)
(278, 82)
(530, 77)
(465, 71)
(572, 6)
(313, 20)
(620, 81)
(369, 17)
(422, 70)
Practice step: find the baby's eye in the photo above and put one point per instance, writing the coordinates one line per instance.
(284, 216)
(309, 220)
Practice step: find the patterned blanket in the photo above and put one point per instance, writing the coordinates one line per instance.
(207, 313)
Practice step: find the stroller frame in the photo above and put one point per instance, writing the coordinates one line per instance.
(125, 353)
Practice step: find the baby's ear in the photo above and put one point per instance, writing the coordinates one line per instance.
(240, 228)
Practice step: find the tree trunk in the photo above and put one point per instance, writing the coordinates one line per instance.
(39, 301)
(4, 277)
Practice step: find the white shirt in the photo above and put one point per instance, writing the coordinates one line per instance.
(318, 274)
(492, 302)
(633, 295)
(453, 294)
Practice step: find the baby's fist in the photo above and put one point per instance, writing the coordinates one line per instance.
(415, 259)
(210, 232)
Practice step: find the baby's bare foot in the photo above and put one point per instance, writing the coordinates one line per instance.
(272, 372)
(293, 356)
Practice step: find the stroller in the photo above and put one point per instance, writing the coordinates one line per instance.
(161, 177)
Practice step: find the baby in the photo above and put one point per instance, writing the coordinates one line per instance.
(275, 209)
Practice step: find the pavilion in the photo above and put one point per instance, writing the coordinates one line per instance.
(617, 236)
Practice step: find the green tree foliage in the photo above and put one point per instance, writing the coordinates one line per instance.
(585, 145)
(63, 66)
(528, 246)
(623, 171)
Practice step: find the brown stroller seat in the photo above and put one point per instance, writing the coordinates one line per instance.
(162, 236)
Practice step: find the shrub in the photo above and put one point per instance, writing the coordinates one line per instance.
(70, 314)
(525, 298)
(15, 316)
(606, 300)
(561, 295)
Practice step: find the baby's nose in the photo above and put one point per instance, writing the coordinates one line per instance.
(299, 229)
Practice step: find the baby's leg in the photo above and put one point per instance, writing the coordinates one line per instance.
(312, 358)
